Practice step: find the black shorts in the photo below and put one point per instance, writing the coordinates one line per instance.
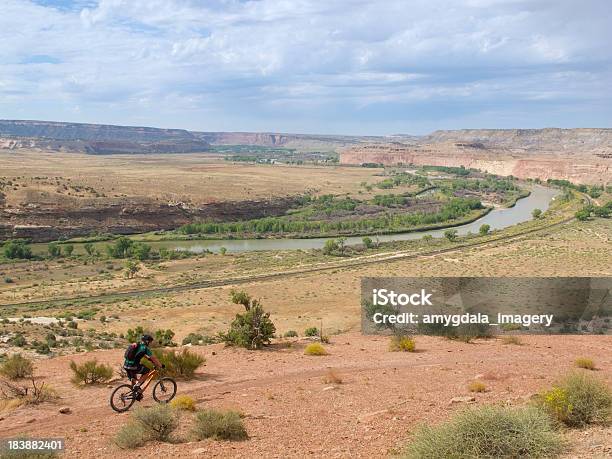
(133, 372)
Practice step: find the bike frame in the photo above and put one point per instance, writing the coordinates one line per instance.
(152, 374)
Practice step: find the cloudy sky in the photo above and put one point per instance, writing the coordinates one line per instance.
(345, 67)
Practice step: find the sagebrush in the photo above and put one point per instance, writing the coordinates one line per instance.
(17, 367)
(180, 364)
(488, 432)
(219, 425)
(90, 372)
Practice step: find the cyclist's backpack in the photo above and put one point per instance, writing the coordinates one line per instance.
(130, 352)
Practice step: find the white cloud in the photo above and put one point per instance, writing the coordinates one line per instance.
(263, 62)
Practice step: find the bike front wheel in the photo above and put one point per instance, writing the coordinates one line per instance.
(164, 390)
(122, 398)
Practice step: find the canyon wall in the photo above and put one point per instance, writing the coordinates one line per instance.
(592, 167)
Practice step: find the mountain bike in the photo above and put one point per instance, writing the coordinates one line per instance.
(124, 396)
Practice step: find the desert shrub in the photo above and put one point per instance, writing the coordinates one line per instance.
(32, 393)
(17, 366)
(488, 432)
(158, 422)
(180, 364)
(585, 363)
(130, 436)
(219, 425)
(315, 349)
(402, 343)
(578, 400)
(163, 338)
(311, 331)
(251, 330)
(291, 334)
(477, 386)
(511, 339)
(183, 402)
(90, 372)
(18, 340)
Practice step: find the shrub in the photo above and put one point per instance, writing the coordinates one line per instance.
(251, 330)
(17, 366)
(182, 364)
(311, 331)
(451, 234)
(90, 372)
(291, 334)
(27, 394)
(585, 363)
(489, 432)
(158, 422)
(578, 400)
(477, 386)
(18, 340)
(402, 343)
(130, 436)
(219, 425)
(512, 339)
(315, 349)
(183, 402)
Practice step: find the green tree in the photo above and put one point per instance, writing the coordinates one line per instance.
(451, 234)
(341, 245)
(484, 229)
(68, 249)
(54, 250)
(89, 248)
(330, 247)
(131, 268)
(582, 215)
(121, 248)
(536, 213)
(141, 251)
(17, 249)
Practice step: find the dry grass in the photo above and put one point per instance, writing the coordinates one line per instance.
(587, 364)
(315, 349)
(402, 344)
(512, 339)
(477, 386)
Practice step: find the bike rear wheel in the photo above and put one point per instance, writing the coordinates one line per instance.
(122, 398)
(164, 390)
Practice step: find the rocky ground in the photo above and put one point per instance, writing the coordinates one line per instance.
(292, 410)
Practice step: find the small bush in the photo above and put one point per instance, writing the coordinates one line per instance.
(585, 363)
(219, 425)
(181, 364)
(311, 331)
(158, 422)
(130, 436)
(291, 334)
(16, 367)
(90, 372)
(477, 386)
(183, 402)
(512, 339)
(489, 432)
(251, 330)
(578, 400)
(402, 343)
(315, 349)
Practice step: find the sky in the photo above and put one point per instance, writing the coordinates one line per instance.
(309, 66)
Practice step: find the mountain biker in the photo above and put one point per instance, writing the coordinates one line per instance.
(132, 365)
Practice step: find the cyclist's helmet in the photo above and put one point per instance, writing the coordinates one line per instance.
(147, 339)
